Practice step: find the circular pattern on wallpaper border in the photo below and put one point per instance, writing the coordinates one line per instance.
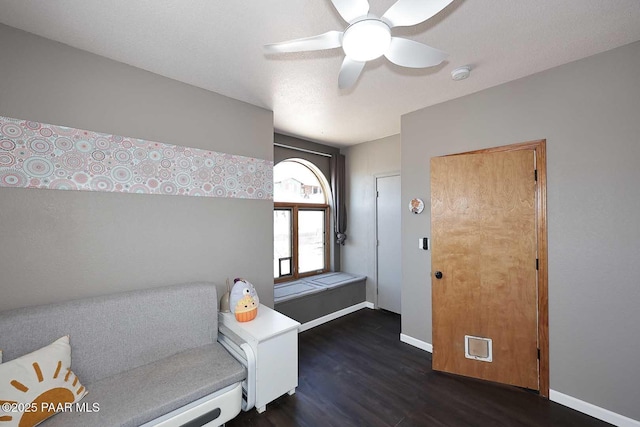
(39, 155)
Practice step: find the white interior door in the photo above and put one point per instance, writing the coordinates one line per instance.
(388, 232)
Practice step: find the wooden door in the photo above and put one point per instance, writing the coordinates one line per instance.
(483, 225)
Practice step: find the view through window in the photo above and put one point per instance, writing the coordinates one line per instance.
(300, 221)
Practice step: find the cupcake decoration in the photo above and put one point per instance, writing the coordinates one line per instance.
(244, 300)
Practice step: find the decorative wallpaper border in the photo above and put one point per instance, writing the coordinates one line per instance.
(39, 155)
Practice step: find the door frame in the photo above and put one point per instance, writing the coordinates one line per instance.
(375, 226)
(540, 148)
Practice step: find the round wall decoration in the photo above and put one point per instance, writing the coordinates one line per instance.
(416, 206)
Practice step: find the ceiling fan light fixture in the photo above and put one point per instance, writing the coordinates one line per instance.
(368, 37)
(366, 40)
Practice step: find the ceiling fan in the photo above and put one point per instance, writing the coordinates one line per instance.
(368, 37)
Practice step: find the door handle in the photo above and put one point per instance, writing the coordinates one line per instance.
(438, 275)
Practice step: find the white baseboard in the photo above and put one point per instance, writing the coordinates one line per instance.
(593, 410)
(329, 317)
(422, 345)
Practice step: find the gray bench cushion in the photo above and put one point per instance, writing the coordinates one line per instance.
(334, 280)
(291, 290)
(312, 285)
(142, 394)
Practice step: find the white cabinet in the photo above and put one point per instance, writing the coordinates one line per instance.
(274, 340)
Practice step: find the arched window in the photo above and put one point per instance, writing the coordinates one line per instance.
(300, 220)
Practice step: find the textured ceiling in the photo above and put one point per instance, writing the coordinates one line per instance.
(217, 45)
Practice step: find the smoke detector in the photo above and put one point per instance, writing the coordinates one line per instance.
(461, 73)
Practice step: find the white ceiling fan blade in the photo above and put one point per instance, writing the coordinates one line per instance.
(351, 9)
(409, 53)
(328, 40)
(349, 72)
(411, 12)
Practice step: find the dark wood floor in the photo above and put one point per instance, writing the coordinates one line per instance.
(354, 371)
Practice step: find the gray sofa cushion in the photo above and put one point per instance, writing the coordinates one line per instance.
(114, 333)
(142, 394)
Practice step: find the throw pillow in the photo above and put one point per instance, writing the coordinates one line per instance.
(37, 385)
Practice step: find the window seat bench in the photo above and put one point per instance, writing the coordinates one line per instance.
(313, 297)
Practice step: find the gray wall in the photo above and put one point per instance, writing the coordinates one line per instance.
(57, 245)
(589, 113)
(363, 162)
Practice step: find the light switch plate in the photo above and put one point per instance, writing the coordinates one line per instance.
(423, 243)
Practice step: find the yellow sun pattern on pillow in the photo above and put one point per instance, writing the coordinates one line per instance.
(36, 386)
